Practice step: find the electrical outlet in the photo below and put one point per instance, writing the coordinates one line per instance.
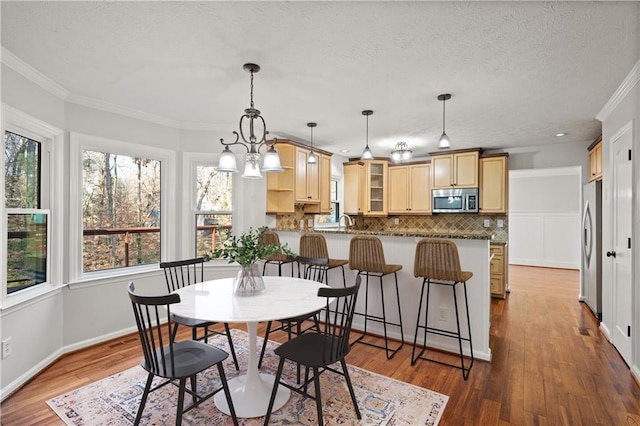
(7, 347)
(396, 221)
(442, 314)
(486, 223)
(500, 223)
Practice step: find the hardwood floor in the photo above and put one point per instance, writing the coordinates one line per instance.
(551, 366)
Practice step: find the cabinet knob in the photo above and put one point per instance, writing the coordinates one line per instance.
(611, 254)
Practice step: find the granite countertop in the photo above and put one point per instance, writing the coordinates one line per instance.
(482, 235)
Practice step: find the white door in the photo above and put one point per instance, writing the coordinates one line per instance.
(620, 254)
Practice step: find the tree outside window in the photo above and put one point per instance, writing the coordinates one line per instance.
(120, 210)
(27, 223)
(213, 204)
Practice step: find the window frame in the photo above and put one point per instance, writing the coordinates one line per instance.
(191, 160)
(80, 142)
(316, 224)
(52, 164)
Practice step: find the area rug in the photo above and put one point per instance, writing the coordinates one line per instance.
(114, 401)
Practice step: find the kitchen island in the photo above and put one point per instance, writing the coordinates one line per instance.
(399, 248)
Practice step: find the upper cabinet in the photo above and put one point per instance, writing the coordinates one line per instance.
(324, 178)
(307, 182)
(455, 169)
(494, 181)
(376, 191)
(595, 160)
(365, 187)
(299, 183)
(354, 183)
(410, 189)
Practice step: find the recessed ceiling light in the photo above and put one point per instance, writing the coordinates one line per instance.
(561, 134)
(344, 151)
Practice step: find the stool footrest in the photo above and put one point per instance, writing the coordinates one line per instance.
(465, 370)
(386, 348)
(377, 319)
(445, 333)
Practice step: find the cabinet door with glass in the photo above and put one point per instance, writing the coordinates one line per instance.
(376, 191)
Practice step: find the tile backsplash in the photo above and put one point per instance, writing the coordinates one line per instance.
(450, 223)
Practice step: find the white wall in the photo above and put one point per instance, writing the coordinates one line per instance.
(544, 217)
(36, 327)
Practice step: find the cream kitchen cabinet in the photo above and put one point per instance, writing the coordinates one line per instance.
(365, 187)
(307, 182)
(498, 270)
(455, 169)
(324, 180)
(299, 183)
(410, 189)
(494, 184)
(595, 160)
(354, 187)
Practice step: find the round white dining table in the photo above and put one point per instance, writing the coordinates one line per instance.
(215, 301)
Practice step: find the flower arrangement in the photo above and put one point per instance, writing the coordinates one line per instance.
(248, 248)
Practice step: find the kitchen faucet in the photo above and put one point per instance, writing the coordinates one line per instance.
(347, 219)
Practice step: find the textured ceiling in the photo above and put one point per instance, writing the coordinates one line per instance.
(519, 72)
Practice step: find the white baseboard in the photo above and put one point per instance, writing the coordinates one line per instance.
(29, 374)
(605, 330)
(6, 391)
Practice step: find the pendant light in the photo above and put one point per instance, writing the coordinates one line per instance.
(271, 163)
(444, 143)
(312, 158)
(367, 154)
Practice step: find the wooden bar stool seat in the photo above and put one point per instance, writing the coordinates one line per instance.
(437, 262)
(367, 257)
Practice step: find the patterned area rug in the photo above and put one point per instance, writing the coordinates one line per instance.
(114, 400)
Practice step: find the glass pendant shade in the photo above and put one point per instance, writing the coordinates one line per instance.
(444, 143)
(252, 166)
(312, 158)
(271, 162)
(367, 154)
(227, 162)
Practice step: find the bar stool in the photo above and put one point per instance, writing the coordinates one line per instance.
(271, 237)
(314, 245)
(437, 262)
(367, 257)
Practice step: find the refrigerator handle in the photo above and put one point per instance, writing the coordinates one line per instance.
(587, 226)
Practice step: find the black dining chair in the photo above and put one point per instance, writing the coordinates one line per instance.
(173, 360)
(312, 269)
(319, 350)
(179, 274)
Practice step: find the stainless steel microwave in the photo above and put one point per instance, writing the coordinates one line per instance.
(455, 200)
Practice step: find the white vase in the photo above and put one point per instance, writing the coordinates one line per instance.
(249, 281)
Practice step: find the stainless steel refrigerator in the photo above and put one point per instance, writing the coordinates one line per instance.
(592, 246)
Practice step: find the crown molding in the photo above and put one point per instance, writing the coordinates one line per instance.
(121, 110)
(27, 71)
(623, 90)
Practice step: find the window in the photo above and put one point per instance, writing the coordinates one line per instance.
(27, 224)
(334, 215)
(117, 219)
(120, 211)
(213, 208)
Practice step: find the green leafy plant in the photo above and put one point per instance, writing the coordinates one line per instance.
(248, 248)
